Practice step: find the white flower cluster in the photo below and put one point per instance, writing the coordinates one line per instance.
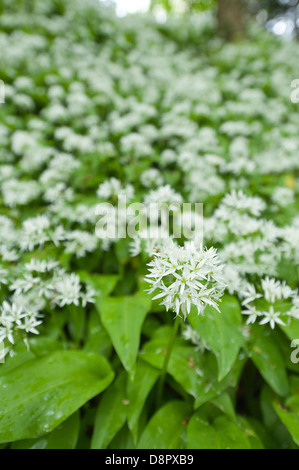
(274, 303)
(39, 284)
(92, 117)
(16, 322)
(113, 189)
(186, 276)
(48, 282)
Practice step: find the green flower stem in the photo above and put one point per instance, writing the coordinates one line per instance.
(166, 360)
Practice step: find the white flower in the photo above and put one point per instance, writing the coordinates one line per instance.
(16, 322)
(275, 290)
(252, 314)
(274, 294)
(250, 294)
(24, 284)
(38, 231)
(272, 318)
(3, 276)
(11, 313)
(113, 188)
(41, 266)
(29, 325)
(16, 192)
(163, 194)
(239, 201)
(283, 197)
(88, 296)
(272, 289)
(185, 276)
(68, 290)
(151, 178)
(135, 144)
(80, 242)
(3, 353)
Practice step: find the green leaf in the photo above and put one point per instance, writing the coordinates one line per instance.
(222, 434)
(269, 361)
(288, 350)
(291, 329)
(294, 384)
(201, 434)
(289, 415)
(197, 373)
(111, 413)
(221, 331)
(98, 339)
(39, 346)
(123, 318)
(65, 436)
(40, 394)
(138, 391)
(76, 322)
(272, 422)
(225, 404)
(167, 428)
(264, 436)
(123, 440)
(251, 433)
(103, 284)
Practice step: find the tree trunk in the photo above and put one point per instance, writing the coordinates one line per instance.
(231, 19)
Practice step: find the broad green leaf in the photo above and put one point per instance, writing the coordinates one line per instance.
(292, 403)
(167, 428)
(98, 339)
(225, 404)
(289, 415)
(122, 250)
(277, 430)
(291, 329)
(201, 434)
(197, 373)
(223, 433)
(65, 436)
(123, 440)
(269, 361)
(263, 434)
(39, 346)
(294, 384)
(123, 318)
(221, 331)
(138, 391)
(111, 413)
(40, 394)
(289, 351)
(250, 432)
(76, 322)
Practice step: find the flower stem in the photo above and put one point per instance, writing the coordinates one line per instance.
(166, 360)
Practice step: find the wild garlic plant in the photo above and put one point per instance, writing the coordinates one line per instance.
(98, 107)
(184, 277)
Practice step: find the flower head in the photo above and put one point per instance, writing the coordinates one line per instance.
(186, 276)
